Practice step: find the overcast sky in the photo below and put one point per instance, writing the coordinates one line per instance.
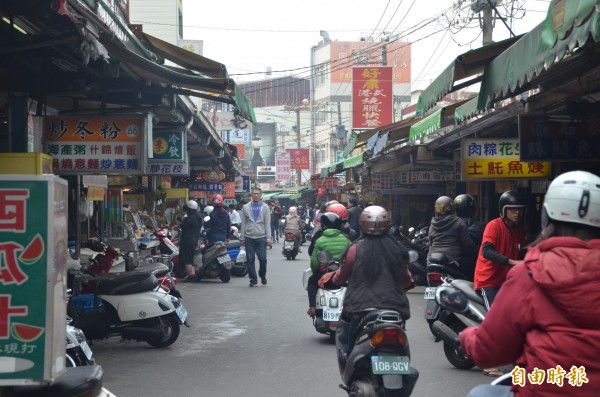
(249, 36)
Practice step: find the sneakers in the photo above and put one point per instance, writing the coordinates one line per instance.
(263, 280)
(189, 278)
(252, 284)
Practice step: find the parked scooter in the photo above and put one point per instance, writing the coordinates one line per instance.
(328, 301)
(379, 362)
(212, 260)
(78, 350)
(290, 247)
(130, 305)
(462, 308)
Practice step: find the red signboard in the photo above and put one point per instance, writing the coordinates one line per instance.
(241, 150)
(300, 158)
(324, 183)
(372, 97)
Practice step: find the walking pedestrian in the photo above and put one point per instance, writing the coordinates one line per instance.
(190, 233)
(255, 235)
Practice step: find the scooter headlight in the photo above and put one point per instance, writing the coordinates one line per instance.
(175, 301)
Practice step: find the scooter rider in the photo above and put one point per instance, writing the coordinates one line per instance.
(448, 234)
(376, 268)
(545, 318)
(333, 241)
(464, 205)
(219, 225)
(293, 224)
(318, 230)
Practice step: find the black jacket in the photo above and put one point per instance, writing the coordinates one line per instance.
(448, 235)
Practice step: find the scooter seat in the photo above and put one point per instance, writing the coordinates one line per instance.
(233, 244)
(467, 287)
(158, 269)
(125, 283)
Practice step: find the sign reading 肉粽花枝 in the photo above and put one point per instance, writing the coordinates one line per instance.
(498, 159)
(95, 145)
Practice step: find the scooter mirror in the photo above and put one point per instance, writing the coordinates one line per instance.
(413, 256)
(308, 237)
(206, 218)
(324, 257)
(452, 299)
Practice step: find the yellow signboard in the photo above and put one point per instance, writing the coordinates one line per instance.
(494, 159)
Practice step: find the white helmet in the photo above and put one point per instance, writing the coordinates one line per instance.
(208, 209)
(192, 204)
(292, 211)
(573, 197)
(234, 231)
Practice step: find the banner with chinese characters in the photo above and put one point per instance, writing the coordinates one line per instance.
(95, 145)
(491, 159)
(299, 158)
(372, 96)
(241, 150)
(33, 254)
(283, 166)
(168, 147)
(167, 169)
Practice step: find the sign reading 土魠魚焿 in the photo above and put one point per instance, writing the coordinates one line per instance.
(486, 159)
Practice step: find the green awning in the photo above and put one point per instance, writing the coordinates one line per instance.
(332, 169)
(466, 111)
(351, 144)
(427, 125)
(269, 195)
(353, 161)
(471, 64)
(568, 25)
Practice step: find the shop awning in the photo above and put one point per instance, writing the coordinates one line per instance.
(219, 89)
(353, 161)
(470, 65)
(432, 122)
(568, 25)
(186, 58)
(466, 111)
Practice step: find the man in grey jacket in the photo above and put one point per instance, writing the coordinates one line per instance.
(255, 235)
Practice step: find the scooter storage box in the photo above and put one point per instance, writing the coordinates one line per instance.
(86, 304)
(82, 381)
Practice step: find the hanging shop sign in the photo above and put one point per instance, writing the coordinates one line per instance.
(372, 96)
(324, 183)
(95, 145)
(492, 159)
(242, 184)
(167, 169)
(168, 147)
(283, 166)
(299, 158)
(229, 190)
(228, 121)
(236, 136)
(559, 138)
(241, 151)
(213, 176)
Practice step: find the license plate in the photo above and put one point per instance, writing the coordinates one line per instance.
(288, 244)
(390, 365)
(429, 293)
(181, 313)
(86, 350)
(331, 314)
(224, 258)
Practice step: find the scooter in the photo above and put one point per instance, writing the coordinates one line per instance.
(439, 267)
(290, 248)
(83, 381)
(212, 260)
(328, 301)
(130, 305)
(376, 362)
(463, 308)
(237, 254)
(78, 350)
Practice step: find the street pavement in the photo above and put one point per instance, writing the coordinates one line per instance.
(260, 342)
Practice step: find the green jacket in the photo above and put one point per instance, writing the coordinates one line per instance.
(333, 241)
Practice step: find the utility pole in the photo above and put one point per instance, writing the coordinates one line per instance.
(487, 25)
(298, 171)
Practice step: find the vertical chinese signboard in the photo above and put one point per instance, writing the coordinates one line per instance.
(372, 97)
(299, 158)
(168, 155)
(33, 254)
(95, 145)
(283, 167)
(488, 159)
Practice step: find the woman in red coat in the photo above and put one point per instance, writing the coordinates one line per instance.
(546, 316)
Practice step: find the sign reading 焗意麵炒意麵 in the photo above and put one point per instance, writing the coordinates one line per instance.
(486, 159)
(95, 145)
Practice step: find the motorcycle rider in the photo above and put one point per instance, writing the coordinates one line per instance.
(219, 225)
(376, 268)
(464, 205)
(333, 241)
(448, 234)
(340, 210)
(500, 248)
(293, 224)
(545, 318)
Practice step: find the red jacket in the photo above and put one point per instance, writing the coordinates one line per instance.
(546, 314)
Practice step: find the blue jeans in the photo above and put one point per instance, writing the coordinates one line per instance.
(256, 246)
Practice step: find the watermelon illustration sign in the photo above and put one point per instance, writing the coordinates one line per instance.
(33, 233)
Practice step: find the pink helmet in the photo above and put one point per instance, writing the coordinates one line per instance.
(217, 200)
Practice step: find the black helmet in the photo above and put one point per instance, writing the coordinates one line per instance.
(329, 220)
(444, 206)
(464, 204)
(510, 199)
(375, 220)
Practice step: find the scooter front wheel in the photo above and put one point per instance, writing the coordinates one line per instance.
(225, 275)
(169, 326)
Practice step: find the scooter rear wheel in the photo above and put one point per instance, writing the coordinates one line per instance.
(225, 275)
(169, 325)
